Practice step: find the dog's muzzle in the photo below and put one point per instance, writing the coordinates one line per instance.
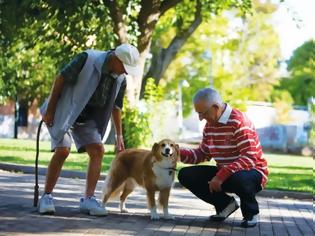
(167, 152)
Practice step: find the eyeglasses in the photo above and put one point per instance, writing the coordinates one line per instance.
(203, 114)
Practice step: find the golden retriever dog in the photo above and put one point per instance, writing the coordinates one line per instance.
(154, 170)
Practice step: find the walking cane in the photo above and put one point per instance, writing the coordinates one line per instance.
(36, 192)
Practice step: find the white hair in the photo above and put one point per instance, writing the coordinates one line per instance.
(211, 96)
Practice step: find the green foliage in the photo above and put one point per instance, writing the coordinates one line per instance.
(176, 20)
(282, 101)
(22, 152)
(159, 112)
(53, 31)
(2, 99)
(153, 93)
(39, 37)
(143, 127)
(243, 62)
(26, 74)
(135, 127)
(312, 125)
(70, 23)
(301, 82)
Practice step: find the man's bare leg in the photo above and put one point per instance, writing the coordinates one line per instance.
(96, 152)
(54, 167)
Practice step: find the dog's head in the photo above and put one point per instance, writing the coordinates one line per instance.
(166, 149)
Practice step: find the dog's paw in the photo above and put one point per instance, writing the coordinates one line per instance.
(124, 210)
(154, 216)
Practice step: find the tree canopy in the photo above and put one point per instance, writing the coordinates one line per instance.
(301, 80)
(241, 58)
(51, 32)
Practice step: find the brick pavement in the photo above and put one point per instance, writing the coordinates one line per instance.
(19, 217)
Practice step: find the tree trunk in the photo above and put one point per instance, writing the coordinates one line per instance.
(119, 25)
(20, 115)
(16, 116)
(150, 12)
(163, 57)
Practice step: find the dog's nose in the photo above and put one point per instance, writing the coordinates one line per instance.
(167, 150)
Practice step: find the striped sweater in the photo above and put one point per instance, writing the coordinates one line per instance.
(233, 143)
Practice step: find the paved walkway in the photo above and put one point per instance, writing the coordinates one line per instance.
(18, 216)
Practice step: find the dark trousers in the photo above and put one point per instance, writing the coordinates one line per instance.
(244, 184)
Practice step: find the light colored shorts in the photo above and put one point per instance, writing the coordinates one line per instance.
(82, 134)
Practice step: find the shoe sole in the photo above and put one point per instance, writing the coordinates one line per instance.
(248, 226)
(98, 214)
(47, 213)
(220, 219)
(91, 214)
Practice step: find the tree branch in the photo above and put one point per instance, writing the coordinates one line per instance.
(167, 4)
(117, 16)
(163, 57)
(179, 40)
(147, 19)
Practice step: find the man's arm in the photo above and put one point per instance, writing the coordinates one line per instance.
(56, 90)
(116, 113)
(195, 155)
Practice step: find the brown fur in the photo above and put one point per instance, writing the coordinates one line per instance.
(149, 169)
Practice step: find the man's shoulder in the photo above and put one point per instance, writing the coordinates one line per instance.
(94, 52)
(237, 114)
(241, 117)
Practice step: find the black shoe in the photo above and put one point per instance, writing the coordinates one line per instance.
(228, 210)
(248, 223)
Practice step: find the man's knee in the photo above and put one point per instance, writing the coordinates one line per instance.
(62, 152)
(183, 175)
(241, 184)
(95, 150)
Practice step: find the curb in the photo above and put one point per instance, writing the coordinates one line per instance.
(42, 171)
(81, 175)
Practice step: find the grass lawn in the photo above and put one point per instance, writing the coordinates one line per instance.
(287, 172)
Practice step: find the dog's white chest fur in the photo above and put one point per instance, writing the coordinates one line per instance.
(162, 173)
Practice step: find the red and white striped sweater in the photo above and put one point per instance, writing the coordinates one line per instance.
(233, 143)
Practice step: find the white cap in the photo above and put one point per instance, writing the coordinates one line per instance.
(129, 56)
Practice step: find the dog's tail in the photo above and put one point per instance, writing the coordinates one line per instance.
(107, 188)
(126, 186)
(116, 194)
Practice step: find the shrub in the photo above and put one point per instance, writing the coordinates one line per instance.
(138, 125)
(161, 113)
(135, 127)
(312, 128)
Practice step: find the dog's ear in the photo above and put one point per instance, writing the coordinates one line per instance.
(155, 148)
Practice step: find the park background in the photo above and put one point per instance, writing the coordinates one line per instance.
(241, 48)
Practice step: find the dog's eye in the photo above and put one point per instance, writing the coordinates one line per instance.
(172, 145)
(163, 145)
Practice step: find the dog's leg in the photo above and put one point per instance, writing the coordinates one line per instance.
(128, 188)
(163, 200)
(111, 185)
(152, 205)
